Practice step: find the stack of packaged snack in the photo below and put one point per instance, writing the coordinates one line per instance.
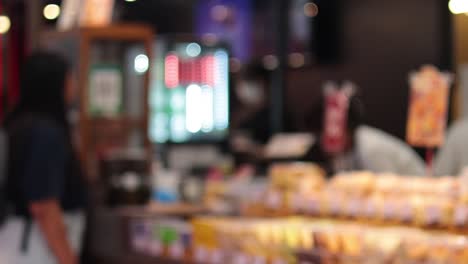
(321, 241)
(358, 217)
(249, 240)
(288, 185)
(365, 196)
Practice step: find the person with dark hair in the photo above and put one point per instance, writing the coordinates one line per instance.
(366, 148)
(44, 182)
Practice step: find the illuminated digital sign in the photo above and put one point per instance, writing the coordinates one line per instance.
(190, 94)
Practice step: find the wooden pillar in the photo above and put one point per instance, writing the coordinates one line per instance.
(33, 23)
(278, 78)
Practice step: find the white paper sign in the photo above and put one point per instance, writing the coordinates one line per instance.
(289, 145)
(70, 14)
(105, 91)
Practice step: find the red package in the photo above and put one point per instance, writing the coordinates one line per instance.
(334, 138)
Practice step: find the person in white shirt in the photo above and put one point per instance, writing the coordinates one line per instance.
(369, 148)
(382, 152)
(452, 158)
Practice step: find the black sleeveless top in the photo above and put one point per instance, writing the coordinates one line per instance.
(42, 165)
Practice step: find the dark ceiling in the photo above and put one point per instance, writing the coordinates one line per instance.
(169, 16)
(173, 16)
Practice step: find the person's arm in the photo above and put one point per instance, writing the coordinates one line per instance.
(49, 217)
(43, 185)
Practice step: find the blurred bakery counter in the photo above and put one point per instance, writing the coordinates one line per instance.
(115, 234)
(134, 259)
(365, 197)
(297, 216)
(303, 240)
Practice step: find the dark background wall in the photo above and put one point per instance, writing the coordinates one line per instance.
(381, 42)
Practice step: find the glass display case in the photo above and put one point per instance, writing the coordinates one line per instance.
(111, 71)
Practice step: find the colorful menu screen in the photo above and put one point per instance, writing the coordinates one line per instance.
(189, 97)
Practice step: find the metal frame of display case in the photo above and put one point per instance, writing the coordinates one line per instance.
(81, 39)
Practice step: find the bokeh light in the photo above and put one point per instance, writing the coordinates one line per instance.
(51, 11)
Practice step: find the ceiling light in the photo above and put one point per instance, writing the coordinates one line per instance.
(4, 24)
(270, 62)
(193, 49)
(311, 9)
(141, 63)
(458, 6)
(51, 11)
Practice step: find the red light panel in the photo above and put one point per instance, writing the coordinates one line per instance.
(171, 74)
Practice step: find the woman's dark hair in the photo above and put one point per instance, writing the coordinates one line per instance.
(42, 89)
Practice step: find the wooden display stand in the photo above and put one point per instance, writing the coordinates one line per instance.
(97, 135)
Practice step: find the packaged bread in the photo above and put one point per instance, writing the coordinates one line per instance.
(356, 183)
(460, 215)
(327, 240)
(352, 242)
(438, 211)
(296, 176)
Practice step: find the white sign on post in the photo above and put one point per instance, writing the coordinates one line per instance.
(105, 93)
(70, 13)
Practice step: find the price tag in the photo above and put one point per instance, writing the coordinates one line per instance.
(353, 207)
(139, 236)
(335, 206)
(259, 260)
(176, 251)
(433, 215)
(461, 215)
(216, 257)
(201, 254)
(139, 244)
(296, 202)
(273, 200)
(241, 258)
(312, 206)
(370, 210)
(389, 211)
(406, 213)
(279, 261)
(155, 248)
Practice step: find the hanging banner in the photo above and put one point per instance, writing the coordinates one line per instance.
(95, 13)
(70, 13)
(428, 107)
(85, 13)
(105, 90)
(336, 117)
